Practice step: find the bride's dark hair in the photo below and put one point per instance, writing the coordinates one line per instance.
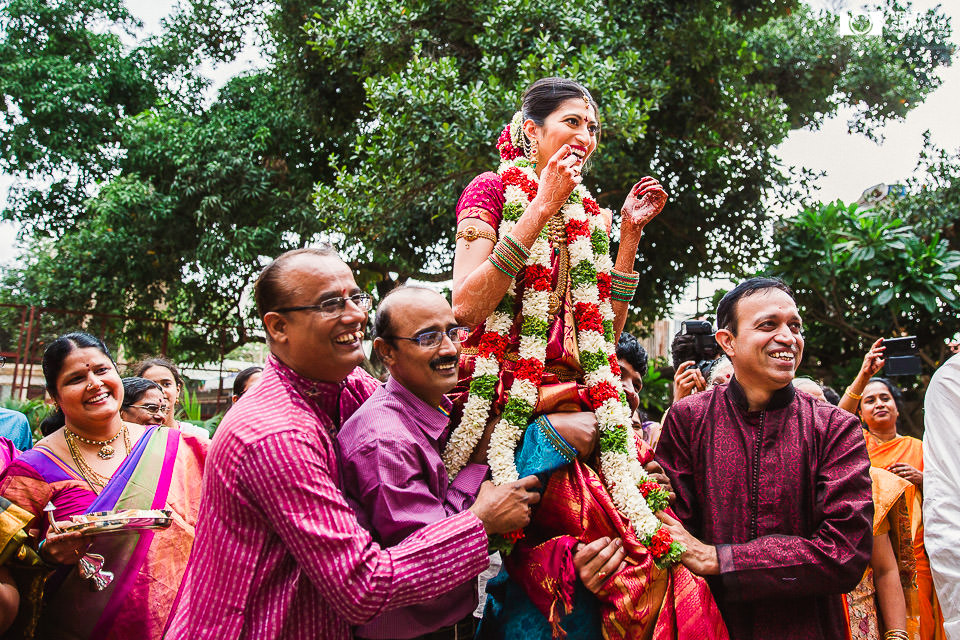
(545, 95)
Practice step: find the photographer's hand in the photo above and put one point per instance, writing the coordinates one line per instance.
(872, 363)
(687, 380)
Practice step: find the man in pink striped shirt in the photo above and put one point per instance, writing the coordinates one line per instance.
(278, 552)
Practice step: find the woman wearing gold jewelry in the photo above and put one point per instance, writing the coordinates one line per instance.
(878, 402)
(880, 409)
(91, 461)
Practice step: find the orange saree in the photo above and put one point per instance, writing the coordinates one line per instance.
(892, 517)
(910, 450)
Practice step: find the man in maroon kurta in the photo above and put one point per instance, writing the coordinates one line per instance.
(773, 486)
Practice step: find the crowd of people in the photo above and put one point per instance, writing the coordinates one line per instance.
(505, 440)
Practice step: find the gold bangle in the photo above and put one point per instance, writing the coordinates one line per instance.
(896, 634)
(471, 233)
(855, 396)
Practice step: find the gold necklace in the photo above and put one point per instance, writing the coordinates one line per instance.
(96, 480)
(106, 451)
(558, 239)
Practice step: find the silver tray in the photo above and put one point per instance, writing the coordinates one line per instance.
(125, 521)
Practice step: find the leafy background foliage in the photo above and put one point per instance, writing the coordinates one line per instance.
(860, 275)
(139, 194)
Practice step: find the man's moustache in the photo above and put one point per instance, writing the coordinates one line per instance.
(443, 361)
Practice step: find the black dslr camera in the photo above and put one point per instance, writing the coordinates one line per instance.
(705, 347)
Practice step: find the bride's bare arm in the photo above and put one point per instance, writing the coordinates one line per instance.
(478, 286)
(645, 201)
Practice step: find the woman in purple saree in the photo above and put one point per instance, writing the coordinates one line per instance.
(161, 470)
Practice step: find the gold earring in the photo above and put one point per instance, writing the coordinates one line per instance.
(530, 148)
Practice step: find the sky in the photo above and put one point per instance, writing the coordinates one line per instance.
(851, 163)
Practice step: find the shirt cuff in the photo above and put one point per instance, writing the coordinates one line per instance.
(728, 575)
(463, 490)
(556, 441)
(437, 558)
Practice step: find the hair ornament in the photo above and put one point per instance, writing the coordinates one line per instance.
(516, 129)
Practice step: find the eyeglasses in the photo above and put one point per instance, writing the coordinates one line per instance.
(333, 307)
(149, 408)
(430, 339)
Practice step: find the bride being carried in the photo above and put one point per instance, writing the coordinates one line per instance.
(533, 276)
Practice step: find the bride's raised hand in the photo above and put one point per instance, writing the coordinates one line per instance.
(559, 178)
(645, 201)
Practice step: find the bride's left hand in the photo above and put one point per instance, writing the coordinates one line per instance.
(645, 202)
(597, 561)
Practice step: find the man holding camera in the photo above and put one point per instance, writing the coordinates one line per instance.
(773, 488)
(694, 351)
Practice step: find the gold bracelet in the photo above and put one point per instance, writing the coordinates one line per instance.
(855, 396)
(896, 634)
(471, 233)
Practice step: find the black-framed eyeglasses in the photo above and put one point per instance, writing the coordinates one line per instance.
(333, 307)
(430, 339)
(149, 408)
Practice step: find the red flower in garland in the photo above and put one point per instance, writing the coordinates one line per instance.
(492, 343)
(576, 228)
(518, 178)
(591, 207)
(529, 369)
(513, 536)
(513, 175)
(603, 285)
(538, 277)
(588, 318)
(647, 486)
(602, 392)
(614, 364)
(505, 145)
(660, 542)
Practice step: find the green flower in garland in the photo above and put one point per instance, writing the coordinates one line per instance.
(484, 386)
(592, 360)
(533, 326)
(613, 440)
(517, 411)
(583, 273)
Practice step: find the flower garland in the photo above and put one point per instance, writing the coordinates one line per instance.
(635, 495)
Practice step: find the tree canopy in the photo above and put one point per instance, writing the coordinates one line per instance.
(368, 118)
(863, 274)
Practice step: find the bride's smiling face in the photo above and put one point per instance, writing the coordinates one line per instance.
(574, 123)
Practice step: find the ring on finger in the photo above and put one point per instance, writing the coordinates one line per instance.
(602, 575)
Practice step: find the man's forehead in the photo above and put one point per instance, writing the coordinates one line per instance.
(313, 275)
(419, 307)
(769, 302)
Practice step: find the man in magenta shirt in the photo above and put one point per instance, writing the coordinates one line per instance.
(278, 552)
(393, 474)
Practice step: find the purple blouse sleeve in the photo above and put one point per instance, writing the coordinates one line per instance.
(483, 199)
